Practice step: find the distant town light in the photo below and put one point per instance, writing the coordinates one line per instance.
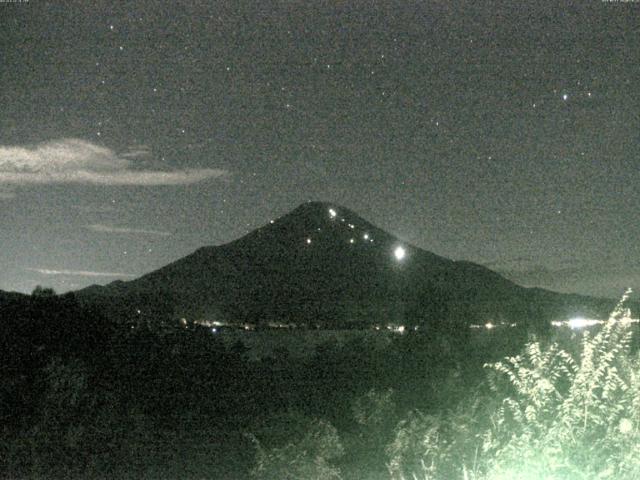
(396, 328)
(351, 240)
(580, 322)
(308, 241)
(489, 325)
(399, 253)
(366, 236)
(332, 213)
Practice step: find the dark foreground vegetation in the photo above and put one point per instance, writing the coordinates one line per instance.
(83, 396)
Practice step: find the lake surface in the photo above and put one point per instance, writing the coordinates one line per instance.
(300, 343)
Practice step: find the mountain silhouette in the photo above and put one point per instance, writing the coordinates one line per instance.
(323, 265)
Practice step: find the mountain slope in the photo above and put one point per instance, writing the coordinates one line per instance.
(323, 265)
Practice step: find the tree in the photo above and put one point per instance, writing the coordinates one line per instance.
(43, 292)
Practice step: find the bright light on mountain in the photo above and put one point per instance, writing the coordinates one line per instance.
(399, 253)
(332, 213)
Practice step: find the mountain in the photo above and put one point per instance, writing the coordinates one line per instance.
(323, 265)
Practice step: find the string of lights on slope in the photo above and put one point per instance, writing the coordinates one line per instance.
(399, 252)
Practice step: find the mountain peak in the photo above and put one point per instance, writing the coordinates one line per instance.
(319, 224)
(315, 205)
(316, 210)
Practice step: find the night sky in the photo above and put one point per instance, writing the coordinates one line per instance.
(505, 133)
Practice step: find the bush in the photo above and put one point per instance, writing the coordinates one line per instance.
(548, 415)
(565, 417)
(308, 457)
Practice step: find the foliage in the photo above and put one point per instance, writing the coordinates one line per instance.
(373, 416)
(435, 446)
(551, 415)
(43, 292)
(309, 457)
(60, 427)
(83, 397)
(374, 409)
(566, 417)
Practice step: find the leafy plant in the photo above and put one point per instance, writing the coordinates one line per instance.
(309, 457)
(548, 414)
(566, 417)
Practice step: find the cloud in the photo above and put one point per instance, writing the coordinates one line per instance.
(137, 151)
(81, 273)
(73, 160)
(97, 227)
